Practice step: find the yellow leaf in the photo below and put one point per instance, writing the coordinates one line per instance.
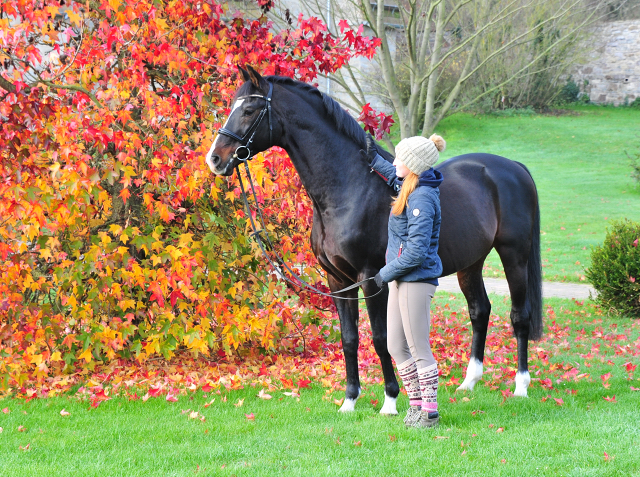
(86, 355)
(185, 240)
(124, 238)
(161, 23)
(115, 229)
(114, 4)
(45, 253)
(56, 356)
(155, 260)
(74, 17)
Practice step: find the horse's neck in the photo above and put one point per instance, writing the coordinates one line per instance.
(321, 157)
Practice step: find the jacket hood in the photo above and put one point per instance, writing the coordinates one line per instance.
(432, 178)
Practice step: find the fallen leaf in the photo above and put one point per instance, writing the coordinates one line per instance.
(500, 429)
(239, 403)
(452, 399)
(374, 402)
(292, 394)
(465, 399)
(146, 397)
(605, 380)
(209, 403)
(304, 383)
(6, 410)
(558, 401)
(358, 443)
(392, 437)
(65, 413)
(635, 389)
(441, 437)
(610, 399)
(464, 452)
(25, 448)
(171, 397)
(504, 461)
(1, 429)
(263, 395)
(22, 429)
(491, 426)
(338, 402)
(608, 457)
(250, 417)
(193, 415)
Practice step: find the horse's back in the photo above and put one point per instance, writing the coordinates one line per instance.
(485, 198)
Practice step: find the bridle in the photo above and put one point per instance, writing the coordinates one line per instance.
(243, 154)
(251, 132)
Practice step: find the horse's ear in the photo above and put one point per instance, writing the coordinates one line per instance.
(257, 80)
(245, 73)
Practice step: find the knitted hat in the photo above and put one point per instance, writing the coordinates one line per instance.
(419, 153)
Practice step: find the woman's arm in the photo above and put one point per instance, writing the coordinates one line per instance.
(387, 171)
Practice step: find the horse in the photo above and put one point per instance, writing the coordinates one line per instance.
(487, 202)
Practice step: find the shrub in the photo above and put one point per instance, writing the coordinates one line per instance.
(569, 93)
(615, 269)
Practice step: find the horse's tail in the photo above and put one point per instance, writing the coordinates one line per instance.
(534, 273)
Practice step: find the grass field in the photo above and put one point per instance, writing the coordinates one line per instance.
(579, 164)
(565, 428)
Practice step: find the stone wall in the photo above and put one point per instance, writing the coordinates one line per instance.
(613, 68)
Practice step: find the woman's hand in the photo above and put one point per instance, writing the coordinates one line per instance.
(379, 281)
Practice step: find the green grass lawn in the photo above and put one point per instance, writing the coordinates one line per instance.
(565, 427)
(579, 164)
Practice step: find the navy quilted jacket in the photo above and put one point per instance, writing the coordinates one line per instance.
(412, 249)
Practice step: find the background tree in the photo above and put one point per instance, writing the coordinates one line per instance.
(115, 239)
(432, 51)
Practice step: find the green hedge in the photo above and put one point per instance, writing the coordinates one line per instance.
(615, 269)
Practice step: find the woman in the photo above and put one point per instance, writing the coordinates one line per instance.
(412, 269)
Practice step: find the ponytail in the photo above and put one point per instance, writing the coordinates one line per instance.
(408, 186)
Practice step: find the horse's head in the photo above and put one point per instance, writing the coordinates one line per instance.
(249, 127)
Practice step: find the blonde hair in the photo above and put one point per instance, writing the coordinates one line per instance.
(408, 186)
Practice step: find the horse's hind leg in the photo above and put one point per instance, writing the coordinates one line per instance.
(377, 308)
(348, 313)
(472, 285)
(515, 269)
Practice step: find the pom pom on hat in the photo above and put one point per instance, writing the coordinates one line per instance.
(418, 153)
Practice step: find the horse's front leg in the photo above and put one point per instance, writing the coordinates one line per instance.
(377, 308)
(348, 313)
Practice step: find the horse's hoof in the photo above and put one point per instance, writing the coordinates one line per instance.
(389, 406)
(348, 405)
(522, 384)
(474, 374)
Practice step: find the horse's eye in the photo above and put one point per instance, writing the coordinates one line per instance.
(248, 112)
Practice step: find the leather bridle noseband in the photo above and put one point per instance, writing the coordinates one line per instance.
(244, 148)
(243, 154)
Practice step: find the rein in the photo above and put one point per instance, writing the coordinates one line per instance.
(243, 154)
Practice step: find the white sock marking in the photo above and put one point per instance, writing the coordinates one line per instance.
(389, 406)
(474, 374)
(349, 404)
(522, 383)
(213, 146)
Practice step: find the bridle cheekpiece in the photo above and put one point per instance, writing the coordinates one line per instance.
(243, 152)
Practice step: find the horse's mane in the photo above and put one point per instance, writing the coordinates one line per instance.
(344, 121)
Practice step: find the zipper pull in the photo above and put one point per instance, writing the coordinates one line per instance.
(400, 251)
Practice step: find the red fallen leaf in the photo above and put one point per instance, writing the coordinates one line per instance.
(500, 429)
(635, 389)
(558, 401)
(358, 443)
(22, 429)
(207, 388)
(392, 437)
(571, 391)
(477, 411)
(25, 448)
(505, 394)
(304, 383)
(504, 461)
(374, 402)
(155, 391)
(452, 399)
(630, 367)
(250, 417)
(6, 410)
(605, 380)
(464, 452)
(491, 426)
(610, 399)
(171, 397)
(607, 456)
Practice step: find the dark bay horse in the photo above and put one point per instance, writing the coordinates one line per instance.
(487, 202)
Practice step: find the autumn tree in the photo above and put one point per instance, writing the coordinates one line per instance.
(115, 240)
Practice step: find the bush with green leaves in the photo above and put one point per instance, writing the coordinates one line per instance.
(615, 269)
